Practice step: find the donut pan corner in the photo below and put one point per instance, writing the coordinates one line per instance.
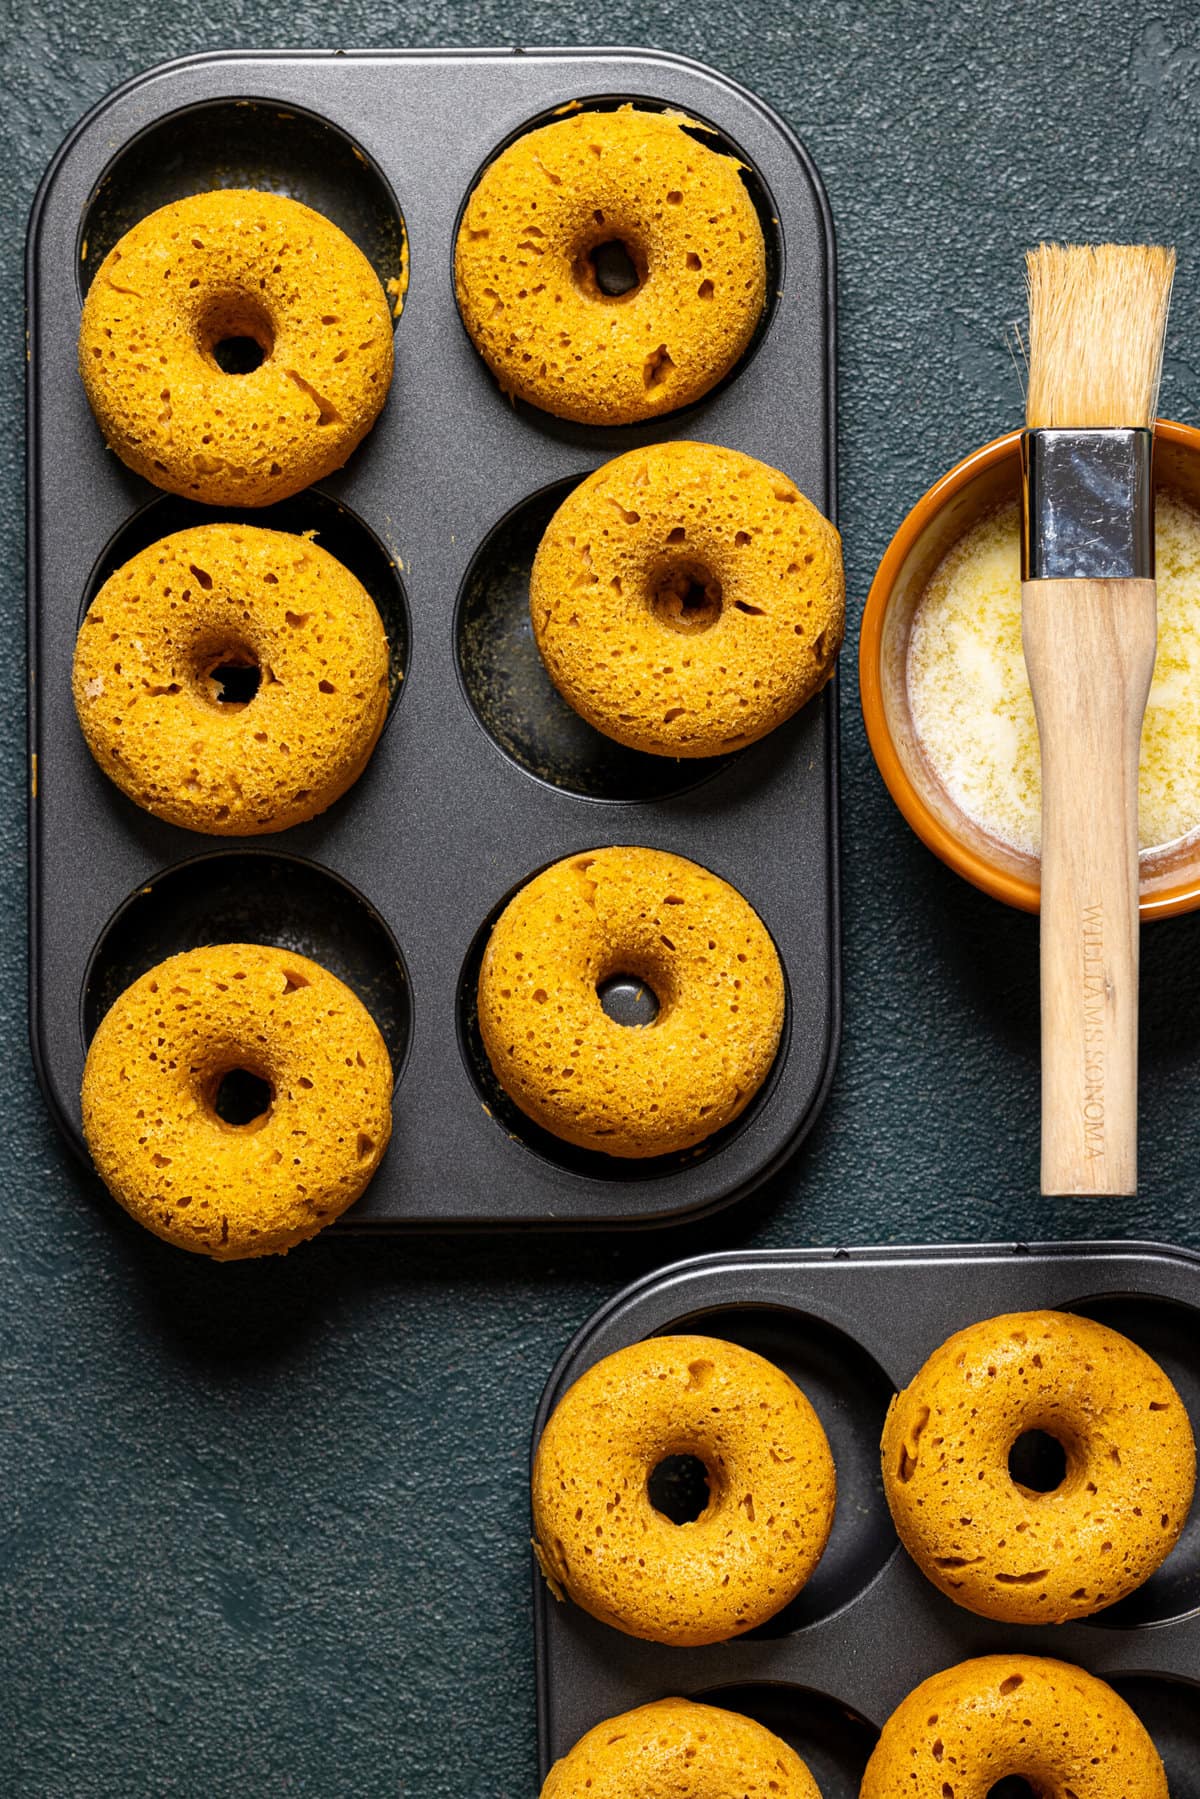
(851, 1326)
(482, 776)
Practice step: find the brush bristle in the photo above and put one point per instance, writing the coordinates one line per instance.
(1097, 321)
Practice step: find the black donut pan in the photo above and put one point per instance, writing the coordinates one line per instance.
(482, 777)
(851, 1326)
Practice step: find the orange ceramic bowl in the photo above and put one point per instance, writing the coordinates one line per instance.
(1170, 879)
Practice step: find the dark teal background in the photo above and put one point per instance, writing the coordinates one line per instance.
(264, 1526)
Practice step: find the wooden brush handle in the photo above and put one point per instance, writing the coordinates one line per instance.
(1089, 649)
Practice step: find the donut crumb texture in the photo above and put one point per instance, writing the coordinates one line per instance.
(152, 1085)
(235, 266)
(530, 266)
(992, 1544)
(177, 635)
(771, 1482)
(677, 1749)
(687, 599)
(1000, 1717)
(630, 1091)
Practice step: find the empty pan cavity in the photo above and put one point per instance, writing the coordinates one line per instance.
(834, 1741)
(247, 143)
(255, 896)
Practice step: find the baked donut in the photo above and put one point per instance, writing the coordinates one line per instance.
(687, 599)
(527, 282)
(997, 1547)
(771, 1488)
(676, 1749)
(235, 265)
(692, 939)
(1024, 1717)
(153, 1077)
(238, 599)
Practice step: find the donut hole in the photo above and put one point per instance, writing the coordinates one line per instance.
(241, 1099)
(1014, 1786)
(614, 269)
(236, 334)
(1038, 1462)
(686, 597)
(227, 674)
(607, 267)
(238, 355)
(628, 1000)
(680, 1488)
(233, 680)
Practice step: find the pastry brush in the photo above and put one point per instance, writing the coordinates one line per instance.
(1097, 319)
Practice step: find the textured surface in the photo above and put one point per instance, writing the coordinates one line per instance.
(677, 1750)
(292, 1159)
(716, 979)
(1005, 1550)
(770, 1479)
(704, 645)
(235, 266)
(157, 715)
(529, 284)
(1020, 1717)
(265, 1526)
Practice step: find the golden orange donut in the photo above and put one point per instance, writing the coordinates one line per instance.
(701, 948)
(150, 1087)
(1064, 1732)
(527, 284)
(231, 597)
(771, 1483)
(687, 599)
(676, 1749)
(235, 264)
(995, 1546)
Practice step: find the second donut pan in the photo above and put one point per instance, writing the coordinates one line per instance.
(482, 776)
(851, 1326)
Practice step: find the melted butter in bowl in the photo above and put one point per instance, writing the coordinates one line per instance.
(968, 693)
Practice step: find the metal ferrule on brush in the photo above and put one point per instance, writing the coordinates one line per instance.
(1088, 511)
